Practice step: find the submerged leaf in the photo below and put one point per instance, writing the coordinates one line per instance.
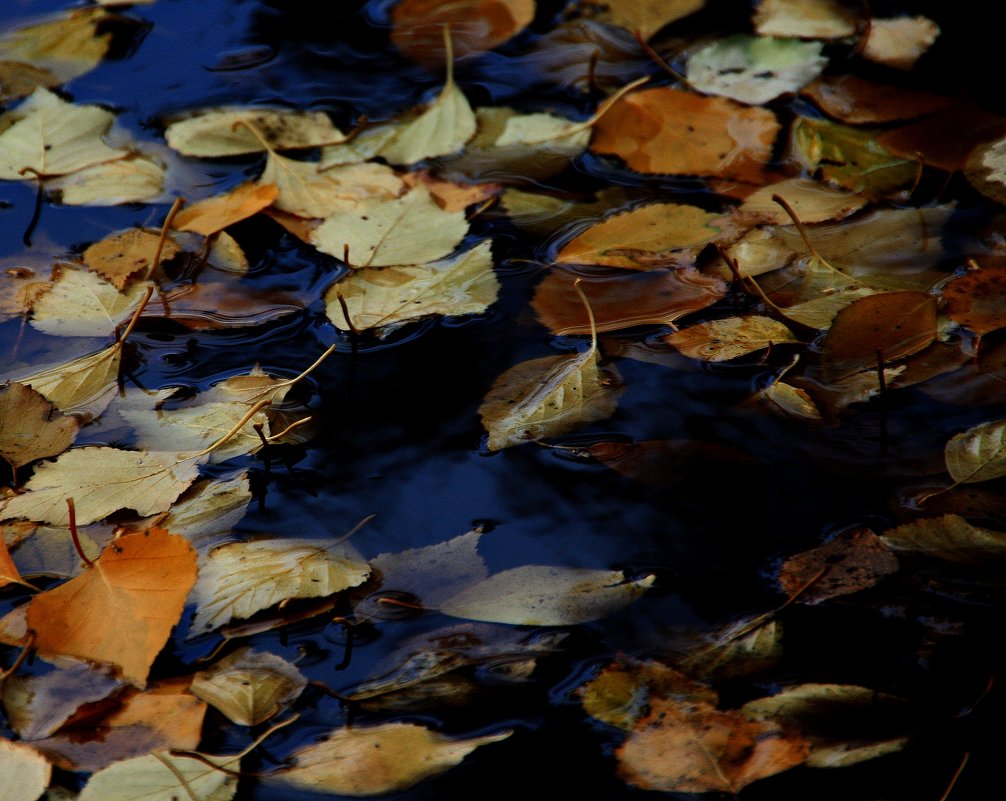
(163, 777)
(950, 538)
(67, 45)
(851, 562)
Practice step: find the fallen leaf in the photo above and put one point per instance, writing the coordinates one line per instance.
(663, 462)
(543, 595)
(8, 570)
(209, 509)
(729, 338)
(451, 196)
(220, 211)
(373, 760)
(66, 45)
(249, 687)
(806, 19)
(83, 386)
(163, 777)
(949, 538)
(238, 579)
(411, 229)
(852, 561)
(80, 303)
(855, 100)
(231, 131)
(977, 300)
(812, 201)
(18, 80)
(24, 772)
(31, 428)
(385, 298)
(122, 255)
(50, 550)
(742, 649)
(647, 16)
(122, 610)
(582, 54)
(945, 139)
(788, 401)
(692, 747)
(665, 130)
(754, 69)
(52, 137)
(308, 191)
(978, 454)
(133, 179)
(899, 42)
(102, 480)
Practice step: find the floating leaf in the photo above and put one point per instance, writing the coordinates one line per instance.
(812, 201)
(163, 777)
(84, 386)
(24, 772)
(209, 508)
(121, 256)
(667, 130)
(30, 427)
(101, 481)
(978, 454)
(722, 340)
(807, 19)
(8, 570)
(66, 45)
(977, 300)
(80, 303)
(133, 179)
(859, 101)
(249, 687)
(754, 69)
(373, 760)
(949, 538)
(231, 131)
(50, 550)
(122, 610)
(542, 595)
(899, 42)
(411, 229)
(387, 297)
(647, 16)
(49, 136)
(307, 191)
(660, 462)
(238, 579)
(220, 211)
(18, 80)
(851, 562)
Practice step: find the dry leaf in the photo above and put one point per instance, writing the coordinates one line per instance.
(852, 561)
(387, 297)
(220, 211)
(899, 42)
(30, 427)
(122, 610)
(729, 338)
(231, 131)
(249, 687)
(120, 256)
(542, 595)
(24, 772)
(238, 579)
(101, 481)
(80, 303)
(373, 760)
(806, 19)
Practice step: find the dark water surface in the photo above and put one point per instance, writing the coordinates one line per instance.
(401, 438)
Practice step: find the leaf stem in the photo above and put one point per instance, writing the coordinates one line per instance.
(74, 534)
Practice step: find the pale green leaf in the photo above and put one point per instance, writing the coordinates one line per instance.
(163, 778)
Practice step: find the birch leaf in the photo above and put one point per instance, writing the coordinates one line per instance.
(387, 297)
(67, 45)
(950, 538)
(411, 229)
(84, 386)
(163, 777)
(249, 687)
(209, 508)
(134, 179)
(238, 579)
(228, 131)
(899, 42)
(53, 137)
(307, 191)
(30, 427)
(80, 303)
(373, 760)
(806, 19)
(19, 80)
(978, 454)
(722, 340)
(546, 397)
(101, 481)
(24, 772)
(8, 570)
(648, 16)
(120, 256)
(122, 610)
(812, 201)
(541, 595)
(216, 213)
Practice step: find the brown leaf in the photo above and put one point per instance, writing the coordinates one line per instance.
(859, 101)
(622, 300)
(214, 305)
(8, 570)
(946, 138)
(122, 610)
(692, 747)
(120, 256)
(667, 130)
(851, 562)
(663, 462)
(730, 337)
(895, 324)
(30, 427)
(977, 300)
(216, 213)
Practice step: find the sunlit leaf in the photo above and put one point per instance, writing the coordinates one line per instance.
(387, 297)
(949, 538)
(850, 562)
(238, 579)
(216, 213)
(122, 610)
(754, 69)
(543, 595)
(306, 190)
(163, 777)
(134, 179)
(102, 480)
(728, 338)
(24, 772)
(30, 427)
(231, 131)
(80, 303)
(66, 45)
(807, 19)
(249, 687)
(52, 137)
(373, 760)
(411, 229)
(899, 42)
(121, 256)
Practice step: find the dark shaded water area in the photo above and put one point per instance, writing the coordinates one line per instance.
(400, 436)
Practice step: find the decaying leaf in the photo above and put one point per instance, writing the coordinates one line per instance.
(722, 340)
(231, 131)
(373, 760)
(387, 297)
(808, 19)
(238, 579)
(80, 303)
(122, 610)
(24, 772)
(121, 256)
(950, 538)
(30, 427)
(249, 687)
(543, 595)
(852, 561)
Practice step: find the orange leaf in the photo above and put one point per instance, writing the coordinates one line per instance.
(216, 213)
(8, 570)
(666, 130)
(977, 300)
(851, 562)
(120, 611)
(858, 101)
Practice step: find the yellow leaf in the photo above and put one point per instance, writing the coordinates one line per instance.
(82, 304)
(24, 772)
(373, 760)
(387, 297)
(950, 538)
(134, 179)
(212, 133)
(249, 687)
(309, 192)
(722, 340)
(66, 45)
(49, 136)
(812, 201)
(647, 16)
(30, 428)
(120, 256)
(978, 454)
(806, 19)
(216, 213)
(83, 386)
(163, 777)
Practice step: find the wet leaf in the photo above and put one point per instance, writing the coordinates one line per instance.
(373, 760)
(850, 562)
(213, 133)
(102, 480)
(220, 211)
(543, 595)
(387, 297)
(812, 201)
(858, 101)
(789, 401)
(949, 538)
(238, 579)
(306, 190)
(209, 508)
(741, 649)
(647, 16)
(411, 229)
(893, 324)
(249, 687)
(807, 19)
(978, 454)
(163, 777)
(729, 338)
(667, 130)
(662, 462)
(24, 772)
(692, 747)
(80, 303)
(121, 256)
(621, 301)
(133, 179)
(30, 427)
(451, 196)
(8, 570)
(977, 300)
(122, 610)
(67, 45)
(83, 386)
(899, 42)
(50, 551)
(53, 137)
(754, 69)
(18, 80)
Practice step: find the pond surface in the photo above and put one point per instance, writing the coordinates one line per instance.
(400, 436)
